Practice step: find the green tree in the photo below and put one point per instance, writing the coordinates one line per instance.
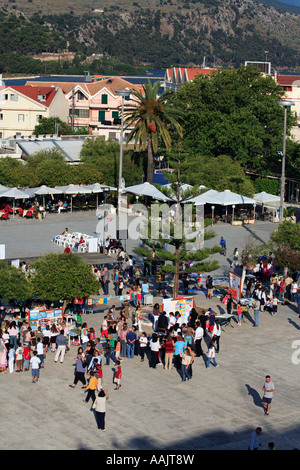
(54, 125)
(287, 235)
(13, 283)
(104, 155)
(152, 118)
(62, 277)
(234, 113)
(48, 167)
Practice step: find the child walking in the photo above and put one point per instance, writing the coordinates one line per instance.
(118, 375)
(35, 367)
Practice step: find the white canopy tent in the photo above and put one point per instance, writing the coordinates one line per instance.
(266, 198)
(95, 188)
(204, 198)
(43, 191)
(147, 189)
(72, 190)
(14, 193)
(228, 198)
(225, 198)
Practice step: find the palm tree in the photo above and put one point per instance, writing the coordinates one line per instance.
(151, 118)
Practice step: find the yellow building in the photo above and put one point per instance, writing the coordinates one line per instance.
(21, 107)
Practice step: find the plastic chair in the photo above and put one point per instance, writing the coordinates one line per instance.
(29, 215)
(82, 248)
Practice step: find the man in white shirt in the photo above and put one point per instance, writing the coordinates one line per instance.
(199, 332)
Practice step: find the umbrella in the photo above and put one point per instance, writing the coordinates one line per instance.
(147, 189)
(74, 189)
(265, 198)
(43, 190)
(3, 188)
(204, 198)
(14, 193)
(227, 198)
(96, 188)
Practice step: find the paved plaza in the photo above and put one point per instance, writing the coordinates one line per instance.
(153, 410)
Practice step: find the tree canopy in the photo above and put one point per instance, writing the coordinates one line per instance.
(54, 125)
(149, 120)
(234, 113)
(63, 277)
(13, 283)
(104, 155)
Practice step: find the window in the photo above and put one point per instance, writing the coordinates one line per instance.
(103, 99)
(21, 117)
(13, 97)
(80, 96)
(1, 116)
(38, 117)
(115, 114)
(101, 116)
(83, 113)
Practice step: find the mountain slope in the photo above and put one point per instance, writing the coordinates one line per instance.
(226, 32)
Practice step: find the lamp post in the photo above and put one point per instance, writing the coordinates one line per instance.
(285, 104)
(123, 94)
(233, 207)
(212, 208)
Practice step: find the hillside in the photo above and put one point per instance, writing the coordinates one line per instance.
(160, 33)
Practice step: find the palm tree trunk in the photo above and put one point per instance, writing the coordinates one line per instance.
(150, 162)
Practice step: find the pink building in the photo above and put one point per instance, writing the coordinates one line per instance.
(95, 105)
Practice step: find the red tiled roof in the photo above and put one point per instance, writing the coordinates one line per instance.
(111, 83)
(191, 73)
(288, 80)
(35, 92)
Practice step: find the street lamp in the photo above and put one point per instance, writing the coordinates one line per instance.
(123, 93)
(212, 208)
(285, 104)
(233, 207)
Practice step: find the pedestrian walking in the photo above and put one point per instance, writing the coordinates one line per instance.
(186, 359)
(100, 408)
(91, 388)
(223, 246)
(169, 348)
(40, 351)
(35, 367)
(154, 350)
(229, 304)
(61, 342)
(79, 371)
(143, 341)
(118, 375)
(199, 332)
(255, 439)
(19, 358)
(268, 389)
(211, 355)
(216, 334)
(235, 258)
(239, 313)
